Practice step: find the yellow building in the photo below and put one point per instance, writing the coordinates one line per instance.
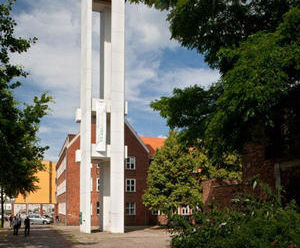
(43, 199)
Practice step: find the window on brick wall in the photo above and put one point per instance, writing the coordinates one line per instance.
(130, 208)
(98, 207)
(98, 184)
(130, 185)
(130, 163)
(91, 184)
(155, 212)
(185, 210)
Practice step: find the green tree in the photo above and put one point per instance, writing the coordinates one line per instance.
(209, 25)
(20, 152)
(254, 99)
(171, 179)
(176, 173)
(250, 222)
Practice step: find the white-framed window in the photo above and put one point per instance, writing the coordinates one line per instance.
(98, 207)
(62, 188)
(130, 185)
(185, 210)
(62, 208)
(130, 163)
(98, 184)
(130, 208)
(62, 167)
(155, 212)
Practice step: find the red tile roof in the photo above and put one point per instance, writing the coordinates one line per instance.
(153, 143)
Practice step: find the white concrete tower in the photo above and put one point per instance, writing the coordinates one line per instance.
(108, 111)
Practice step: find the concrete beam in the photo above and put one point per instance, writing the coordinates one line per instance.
(85, 106)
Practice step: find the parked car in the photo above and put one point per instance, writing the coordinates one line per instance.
(37, 219)
(48, 217)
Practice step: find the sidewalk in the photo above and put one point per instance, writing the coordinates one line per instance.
(134, 237)
(40, 236)
(45, 236)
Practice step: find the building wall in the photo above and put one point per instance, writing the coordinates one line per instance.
(73, 185)
(72, 176)
(219, 192)
(47, 188)
(136, 150)
(255, 165)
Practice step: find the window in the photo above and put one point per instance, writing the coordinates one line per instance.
(91, 184)
(130, 208)
(155, 212)
(130, 163)
(98, 185)
(98, 207)
(130, 185)
(185, 210)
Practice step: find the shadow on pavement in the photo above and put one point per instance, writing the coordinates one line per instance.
(40, 236)
(129, 229)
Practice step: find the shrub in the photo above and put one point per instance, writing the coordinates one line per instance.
(250, 223)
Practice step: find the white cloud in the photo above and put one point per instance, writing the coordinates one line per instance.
(146, 29)
(54, 62)
(162, 136)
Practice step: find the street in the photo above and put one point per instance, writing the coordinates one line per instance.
(40, 236)
(47, 236)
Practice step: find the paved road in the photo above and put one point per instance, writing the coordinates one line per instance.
(44, 236)
(134, 237)
(40, 236)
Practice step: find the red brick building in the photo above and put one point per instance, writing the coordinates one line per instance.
(277, 172)
(136, 169)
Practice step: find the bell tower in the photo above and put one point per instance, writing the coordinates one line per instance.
(107, 112)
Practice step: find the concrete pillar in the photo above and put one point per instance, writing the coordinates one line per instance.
(105, 93)
(85, 105)
(105, 222)
(117, 116)
(105, 53)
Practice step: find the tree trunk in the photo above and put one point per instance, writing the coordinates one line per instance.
(2, 208)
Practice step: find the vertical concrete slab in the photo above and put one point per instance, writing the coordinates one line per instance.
(105, 93)
(117, 116)
(105, 222)
(85, 106)
(105, 53)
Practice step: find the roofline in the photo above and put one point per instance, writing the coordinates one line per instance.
(73, 140)
(137, 136)
(67, 145)
(63, 147)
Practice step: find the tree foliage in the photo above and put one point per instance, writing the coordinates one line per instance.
(20, 152)
(251, 222)
(171, 180)
(254, 99)
(176, 173)
(209, 25)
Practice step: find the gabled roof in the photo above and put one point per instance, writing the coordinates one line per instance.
(137, 136)
(153, 143)
(71, 138)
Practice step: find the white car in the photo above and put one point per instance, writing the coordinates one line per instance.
(37, 219)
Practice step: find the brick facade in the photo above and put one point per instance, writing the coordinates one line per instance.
(275, 172)
(219, 192)
(71, 197)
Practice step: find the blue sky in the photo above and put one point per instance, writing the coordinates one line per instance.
(154, 65)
